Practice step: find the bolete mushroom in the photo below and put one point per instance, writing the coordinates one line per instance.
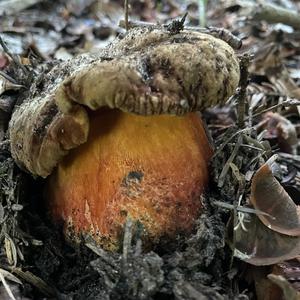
(139, 147)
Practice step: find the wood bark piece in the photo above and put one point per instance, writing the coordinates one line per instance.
(268, 12)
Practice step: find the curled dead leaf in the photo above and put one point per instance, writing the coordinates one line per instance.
(281, 284)
(282, 130)
(290, 270)
(289, 293)
(258, 245)
(274, 235)
(268, 196)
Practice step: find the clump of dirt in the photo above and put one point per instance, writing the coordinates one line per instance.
(187, 268)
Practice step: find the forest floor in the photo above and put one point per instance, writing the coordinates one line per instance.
(258, 126)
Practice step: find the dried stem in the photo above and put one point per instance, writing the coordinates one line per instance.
(127, 239)
(242, 93)
(275, 14)
(126, 14)
(243, 209)
(34, 280)
(226, 167)
(286, 103)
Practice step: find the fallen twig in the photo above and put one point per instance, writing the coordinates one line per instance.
(226, 167)
(286, 103)
(220, 33)
(242, 209)
(242, 92)
(269, 12)
(34, 280)
(126, 14)
(7, 288)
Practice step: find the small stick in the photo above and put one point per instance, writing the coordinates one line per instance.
(223, 34)
(226, 167)
(242, 93)
(220, 33)
(101, 253)
(286, 103)
(7, 77)
(6, 287)
(274, 14)
(268, 12)
(242, 209)
(126, 15)
(127, 239)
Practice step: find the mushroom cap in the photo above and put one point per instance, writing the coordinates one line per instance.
(147, 72)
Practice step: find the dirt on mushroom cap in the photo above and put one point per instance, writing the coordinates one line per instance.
(147, 72)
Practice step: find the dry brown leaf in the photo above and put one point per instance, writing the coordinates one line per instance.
(282, 129)
(282, 80)
(290, 270)
(266, 57)
(269, 196)
(258, 245)
(289, 293)
(281, 284)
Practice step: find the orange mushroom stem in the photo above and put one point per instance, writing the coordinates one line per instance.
(152, 169)
(120, 136)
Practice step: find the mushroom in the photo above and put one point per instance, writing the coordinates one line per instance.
(118, 134)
